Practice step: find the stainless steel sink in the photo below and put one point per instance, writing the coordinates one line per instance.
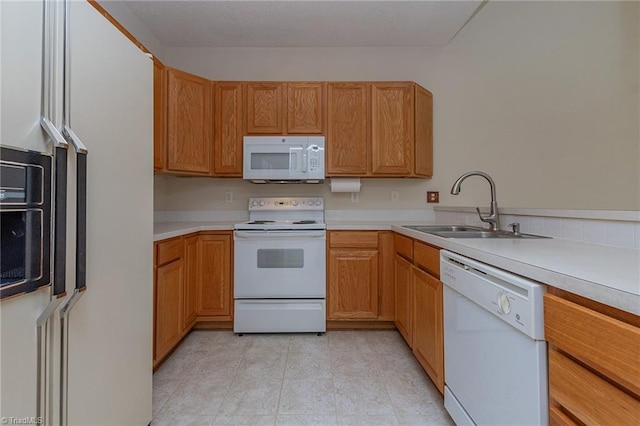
(429, 229)
(463, 231)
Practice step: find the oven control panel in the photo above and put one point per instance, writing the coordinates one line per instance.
(286, 203)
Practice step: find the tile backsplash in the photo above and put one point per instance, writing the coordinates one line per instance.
(621, 233)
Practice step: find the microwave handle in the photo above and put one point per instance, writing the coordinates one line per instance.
(304, 161)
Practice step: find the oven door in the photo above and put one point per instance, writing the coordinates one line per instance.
(279, 264)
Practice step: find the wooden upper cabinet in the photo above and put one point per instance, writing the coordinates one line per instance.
(228, 132)
(392, 133)
(159, 115)
(189, 123)
(423, 132)
(265, 108)
(347, 146)
(305, 108)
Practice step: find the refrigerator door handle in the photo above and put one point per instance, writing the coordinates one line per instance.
(81, 209)
(81, 263)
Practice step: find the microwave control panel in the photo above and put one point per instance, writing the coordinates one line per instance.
(315, 158)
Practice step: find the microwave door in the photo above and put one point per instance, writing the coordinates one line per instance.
(274, 162)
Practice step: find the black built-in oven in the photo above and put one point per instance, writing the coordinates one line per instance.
(25, 221)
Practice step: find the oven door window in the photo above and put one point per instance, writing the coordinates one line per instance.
(280, 258)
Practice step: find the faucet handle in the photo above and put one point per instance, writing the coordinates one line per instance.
(515, 227)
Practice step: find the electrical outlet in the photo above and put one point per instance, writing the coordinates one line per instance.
(433, 197)
(395, 196)
(228, 197)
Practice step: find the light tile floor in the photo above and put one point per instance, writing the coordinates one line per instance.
(340, 378)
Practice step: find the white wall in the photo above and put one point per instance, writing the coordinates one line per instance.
(541, 95)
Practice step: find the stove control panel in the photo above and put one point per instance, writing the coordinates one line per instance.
(286, 203)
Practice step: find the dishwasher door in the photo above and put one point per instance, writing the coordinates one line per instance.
(495, 373)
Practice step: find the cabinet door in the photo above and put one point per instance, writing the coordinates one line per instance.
(353, 284)
(265, 108)
(189, 123)
(423, 132)
(386, 287)
(392, 128)
(404, 299)
(215, 279)
(192, 277)
(169, 290)
(347, 145)
(428, 344)
(227, 140)
(159, 115)
(305, 108)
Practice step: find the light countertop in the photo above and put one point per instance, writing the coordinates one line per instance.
(607, 274)
(165, 230)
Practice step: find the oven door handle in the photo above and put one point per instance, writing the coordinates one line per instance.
(298, 235)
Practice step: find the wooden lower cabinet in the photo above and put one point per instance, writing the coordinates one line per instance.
(214, 285)
(192, 277)
(360, 284)
(404, 299)
(353, 284)
(428, 336)
(594, 361)
(419, 304)
(168, 306)
(193, 283)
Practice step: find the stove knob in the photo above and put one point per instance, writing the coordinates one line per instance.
(504, 304)
(261, 202)
(311, 202)
(254, 203)
(294, 203)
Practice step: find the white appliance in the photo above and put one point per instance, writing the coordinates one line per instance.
(494, 348)
(283, 159)
(66, 359)
(280, 267)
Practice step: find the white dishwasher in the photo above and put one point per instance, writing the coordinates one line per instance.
(494, 348)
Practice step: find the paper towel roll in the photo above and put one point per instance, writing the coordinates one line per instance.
(345, 184)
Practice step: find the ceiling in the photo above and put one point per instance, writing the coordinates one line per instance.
(304, 23)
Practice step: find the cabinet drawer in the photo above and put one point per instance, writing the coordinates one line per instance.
(169, 251)
(353, 239)
(607, 345)
(588, 397)
(427, 257)
(403, 246)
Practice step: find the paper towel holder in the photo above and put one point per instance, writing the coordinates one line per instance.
(351, 184)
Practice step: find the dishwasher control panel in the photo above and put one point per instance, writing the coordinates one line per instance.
(513, 299)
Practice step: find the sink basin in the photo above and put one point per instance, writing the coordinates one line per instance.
(463, 231)
(429, 229)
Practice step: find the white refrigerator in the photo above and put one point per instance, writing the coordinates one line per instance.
(91, 360)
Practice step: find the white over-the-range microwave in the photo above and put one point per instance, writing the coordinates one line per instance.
(283, 159)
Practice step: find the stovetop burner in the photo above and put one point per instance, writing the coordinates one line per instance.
(305, 222)
(260, 222)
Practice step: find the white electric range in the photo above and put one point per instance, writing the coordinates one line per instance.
(280, 267)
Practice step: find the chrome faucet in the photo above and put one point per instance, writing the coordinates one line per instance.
(494, 218)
